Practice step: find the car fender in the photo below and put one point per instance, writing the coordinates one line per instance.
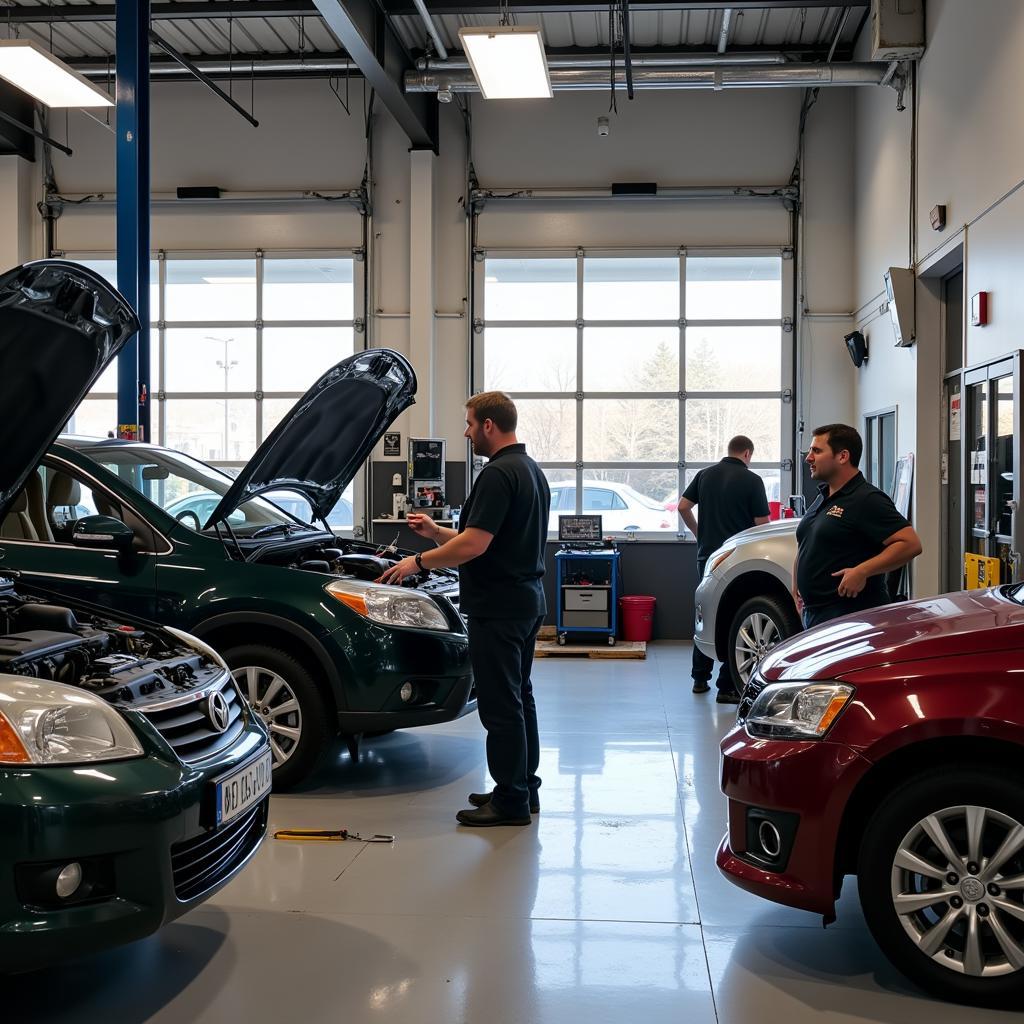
(255, 620)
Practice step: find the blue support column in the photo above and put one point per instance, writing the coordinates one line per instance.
(133, 24)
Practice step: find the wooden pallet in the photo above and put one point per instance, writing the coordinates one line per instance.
(628, 649)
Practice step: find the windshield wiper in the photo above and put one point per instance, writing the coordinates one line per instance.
(274, 527)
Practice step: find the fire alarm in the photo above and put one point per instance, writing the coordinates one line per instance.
(979, 309)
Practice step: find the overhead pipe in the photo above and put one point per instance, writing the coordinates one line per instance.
(428, 24)
(239, 67)
(600, 60)
(723, 35)
(588, 79)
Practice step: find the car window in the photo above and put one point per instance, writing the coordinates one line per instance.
(599, 499)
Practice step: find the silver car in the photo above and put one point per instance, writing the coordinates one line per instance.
(744, 604)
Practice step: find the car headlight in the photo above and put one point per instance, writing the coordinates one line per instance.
(392, 606)
(717, 558)
(798, 711)
(45, 723)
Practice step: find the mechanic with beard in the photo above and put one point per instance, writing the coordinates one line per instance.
(850, 537)
(499, 549)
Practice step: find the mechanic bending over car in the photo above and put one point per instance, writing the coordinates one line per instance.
(731, 498)
(499, 549)
(850, 537)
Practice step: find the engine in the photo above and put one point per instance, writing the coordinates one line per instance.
(120, 662)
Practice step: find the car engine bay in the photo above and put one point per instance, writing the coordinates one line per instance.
(122, 663)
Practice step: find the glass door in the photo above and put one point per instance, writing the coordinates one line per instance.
(991, 465)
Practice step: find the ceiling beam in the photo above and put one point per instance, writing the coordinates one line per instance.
(372, 43)
(406, 7)
(19, 14)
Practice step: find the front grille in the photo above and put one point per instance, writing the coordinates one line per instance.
(755, 684)
(189, 730)
(201, 863)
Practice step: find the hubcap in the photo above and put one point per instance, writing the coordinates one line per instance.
(270, 696)
(757, 635)
(970, 921)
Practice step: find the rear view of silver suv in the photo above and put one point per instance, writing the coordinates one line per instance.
(744, 604)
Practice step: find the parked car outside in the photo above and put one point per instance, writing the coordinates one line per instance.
(620, 506)
(316, 646)
(202, 503)
(888, 744)
(134, 779)
(744, 605)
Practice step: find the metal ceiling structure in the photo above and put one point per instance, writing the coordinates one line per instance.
(388, 41)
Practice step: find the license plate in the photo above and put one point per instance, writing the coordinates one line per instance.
(242, 789)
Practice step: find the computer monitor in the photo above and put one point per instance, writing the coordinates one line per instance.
(579, 529)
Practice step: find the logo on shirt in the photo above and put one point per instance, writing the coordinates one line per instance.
(836, 511)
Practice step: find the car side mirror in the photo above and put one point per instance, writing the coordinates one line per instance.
(102, 532)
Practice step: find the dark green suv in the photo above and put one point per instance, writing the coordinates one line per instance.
(134, 778)
(316, 646)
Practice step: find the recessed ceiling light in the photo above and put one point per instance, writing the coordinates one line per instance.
(29, 67)
(508, 61)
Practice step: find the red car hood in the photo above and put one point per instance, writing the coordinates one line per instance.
(937, 627)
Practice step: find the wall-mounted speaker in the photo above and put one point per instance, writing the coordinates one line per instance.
(857, 346)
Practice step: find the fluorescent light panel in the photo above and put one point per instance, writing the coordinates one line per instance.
(508, 61)
(30, 68)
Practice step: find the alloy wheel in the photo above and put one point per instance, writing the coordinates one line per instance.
(757, 635)
(274, 701)
(957, 886)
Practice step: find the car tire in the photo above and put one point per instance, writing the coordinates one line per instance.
(901, 859)
(296, 714)
(760, 622)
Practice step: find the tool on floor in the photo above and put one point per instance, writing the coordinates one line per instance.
(329, 835)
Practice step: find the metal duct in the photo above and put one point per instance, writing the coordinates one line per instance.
(587, 79)
(238, 68)
(639, 60)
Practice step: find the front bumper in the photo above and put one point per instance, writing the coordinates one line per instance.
(146, 823)
(705, 611)
(381, 660)
(803, 782)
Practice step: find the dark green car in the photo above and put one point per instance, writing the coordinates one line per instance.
(316, 646)
(134, 779)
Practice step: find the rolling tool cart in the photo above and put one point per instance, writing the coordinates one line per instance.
(588, 580)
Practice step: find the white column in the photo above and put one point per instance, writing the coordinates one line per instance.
(15, 211)
(422, 331)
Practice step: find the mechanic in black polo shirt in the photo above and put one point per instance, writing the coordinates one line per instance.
(499, 550)
(850, 537)
(731, 498)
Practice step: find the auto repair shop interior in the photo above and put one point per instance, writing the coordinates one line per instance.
(256, 256)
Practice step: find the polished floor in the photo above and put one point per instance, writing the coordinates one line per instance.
(608, 909)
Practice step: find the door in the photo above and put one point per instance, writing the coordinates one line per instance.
(121, 581)
(991, 466)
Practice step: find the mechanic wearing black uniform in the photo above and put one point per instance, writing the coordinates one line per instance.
(499, 549)
(731, 498)
(850, 537)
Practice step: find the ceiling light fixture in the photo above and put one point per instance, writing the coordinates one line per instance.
(508, 61)
(30, 68)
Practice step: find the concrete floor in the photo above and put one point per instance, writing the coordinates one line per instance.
(608, 909)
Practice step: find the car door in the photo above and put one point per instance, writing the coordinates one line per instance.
(121, 581)
(614, 513)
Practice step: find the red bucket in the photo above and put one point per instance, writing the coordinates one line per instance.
(637, 617)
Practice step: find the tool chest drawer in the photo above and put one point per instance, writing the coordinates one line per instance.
(585, 599)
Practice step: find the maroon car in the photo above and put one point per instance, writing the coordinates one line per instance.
(890, 745)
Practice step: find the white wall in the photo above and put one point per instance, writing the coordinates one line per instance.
(970, 155)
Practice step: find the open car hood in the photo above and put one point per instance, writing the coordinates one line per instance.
(328, 434)
(60, 326)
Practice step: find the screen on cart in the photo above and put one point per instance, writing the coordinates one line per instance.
(579, 528)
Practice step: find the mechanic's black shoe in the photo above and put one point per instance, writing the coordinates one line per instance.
(482, 799)
(488, 815)
(727, 697)
(700, 686)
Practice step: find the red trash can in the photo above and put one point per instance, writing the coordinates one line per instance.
(637, 614)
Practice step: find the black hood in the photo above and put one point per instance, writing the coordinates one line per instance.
(328, 434)
(60, 326)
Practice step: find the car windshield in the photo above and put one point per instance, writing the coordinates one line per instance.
(186, 488)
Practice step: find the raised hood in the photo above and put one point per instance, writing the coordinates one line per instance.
(973, 621)
(60, 326)
(328, 434)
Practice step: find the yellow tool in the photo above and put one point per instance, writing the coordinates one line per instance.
(329, 835)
